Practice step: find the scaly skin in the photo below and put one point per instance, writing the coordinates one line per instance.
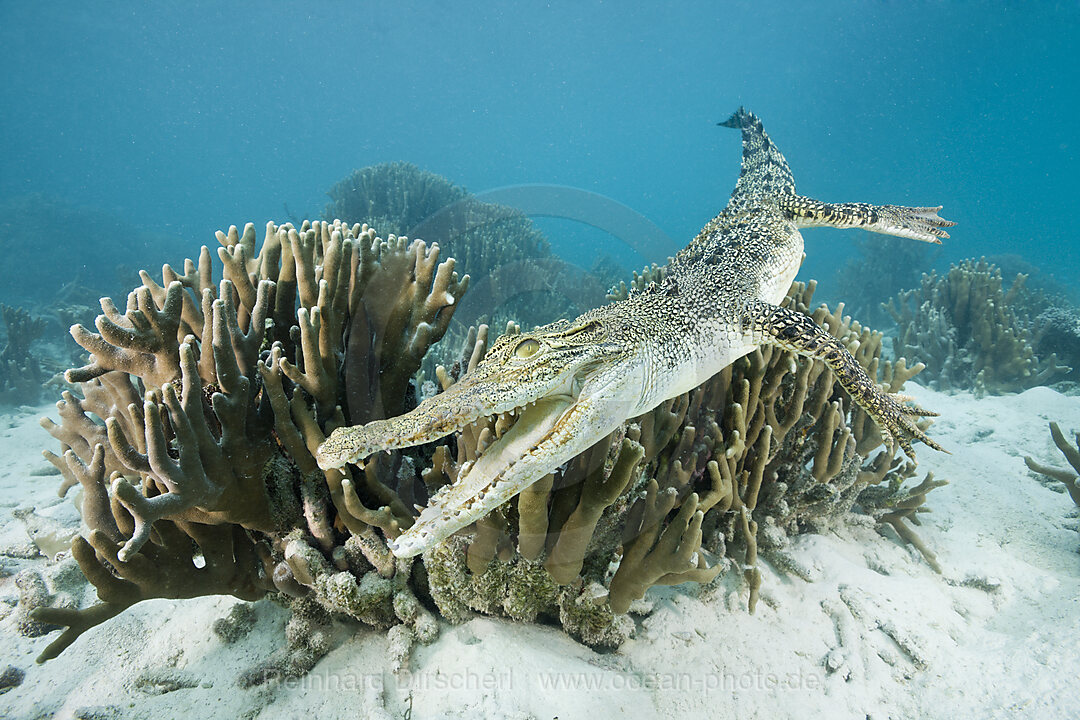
(572, 383)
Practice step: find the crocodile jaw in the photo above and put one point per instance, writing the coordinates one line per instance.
(560, 359)
(462, 404)
(497, 475)
(547, 434)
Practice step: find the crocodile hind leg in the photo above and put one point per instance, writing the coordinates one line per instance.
(791, 330)
(917, 223)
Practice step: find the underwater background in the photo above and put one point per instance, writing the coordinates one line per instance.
(553, 150)
(181, 119)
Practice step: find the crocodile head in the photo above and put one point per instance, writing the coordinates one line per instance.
(567, 384)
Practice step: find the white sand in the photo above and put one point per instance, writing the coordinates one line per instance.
(877, 634)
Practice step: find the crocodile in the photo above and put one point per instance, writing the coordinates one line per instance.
(571, 383)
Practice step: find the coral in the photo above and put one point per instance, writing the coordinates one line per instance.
(651, 557)
(1071, 480)
(10, 677)
(22, 374)
(516, 276)
(33, 594)
(307, 640)
(882, 268)
(201, 407)
(899, 507)
(1057, 332)
(963, 325)
(400, 198)
(652, 274)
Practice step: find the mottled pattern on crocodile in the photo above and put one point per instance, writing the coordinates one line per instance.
(764, 172)
(719, 299)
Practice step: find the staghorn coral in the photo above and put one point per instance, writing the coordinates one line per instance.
(964, 326)
(196, 420)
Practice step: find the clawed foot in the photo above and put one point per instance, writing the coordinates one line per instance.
(918, 223)
(894, 417)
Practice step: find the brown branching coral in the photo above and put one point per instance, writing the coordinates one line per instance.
(965, 327)
(1071, 480)
(652, 556)
(203, 402)
(406, 307)
(22, 374)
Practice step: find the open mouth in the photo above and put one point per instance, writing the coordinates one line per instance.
(532, 435)
(523, 453)
(457, 408)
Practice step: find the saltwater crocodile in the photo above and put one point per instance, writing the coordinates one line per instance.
(571, 383)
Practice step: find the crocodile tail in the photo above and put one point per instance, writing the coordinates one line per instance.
(739, 119)
(765, 172)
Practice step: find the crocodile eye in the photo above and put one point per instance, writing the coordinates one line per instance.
(527, 348)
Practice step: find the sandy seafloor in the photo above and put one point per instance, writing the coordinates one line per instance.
(877, 634)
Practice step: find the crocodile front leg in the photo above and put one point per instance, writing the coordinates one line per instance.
(795, 331)
(917, 223)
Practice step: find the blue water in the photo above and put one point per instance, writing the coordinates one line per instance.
(187, 117)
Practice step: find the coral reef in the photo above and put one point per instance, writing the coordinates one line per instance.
(883, 268)
(963, 325)
(193, 430)
(22, 374)
(515, 275)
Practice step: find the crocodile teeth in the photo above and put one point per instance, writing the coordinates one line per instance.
(484, 484)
